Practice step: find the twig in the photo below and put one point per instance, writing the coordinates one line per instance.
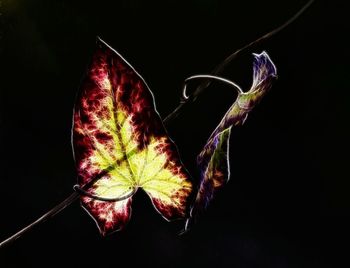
(186, 100)
(68, 201)
(218, 69)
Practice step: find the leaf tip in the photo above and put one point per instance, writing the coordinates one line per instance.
(100, 43)
(263, 61)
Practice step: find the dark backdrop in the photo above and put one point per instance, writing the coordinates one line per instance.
(287, 161)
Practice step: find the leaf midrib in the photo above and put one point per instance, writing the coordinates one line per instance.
(120, 138)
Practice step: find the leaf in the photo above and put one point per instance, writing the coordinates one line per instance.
(213, 161)
(121, 145)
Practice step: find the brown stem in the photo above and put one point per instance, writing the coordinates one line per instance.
(52, 212)
(219, 68)
(75, 195)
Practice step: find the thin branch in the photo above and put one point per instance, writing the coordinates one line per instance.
(52, 212)
(219, 68)
(68, 201)
(187, 99)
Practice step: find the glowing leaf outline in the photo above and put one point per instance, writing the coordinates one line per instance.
(111, 107)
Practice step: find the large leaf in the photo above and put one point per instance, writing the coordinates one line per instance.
(120, 145)
(213, 161)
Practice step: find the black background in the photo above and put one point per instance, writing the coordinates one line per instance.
(288, 189)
